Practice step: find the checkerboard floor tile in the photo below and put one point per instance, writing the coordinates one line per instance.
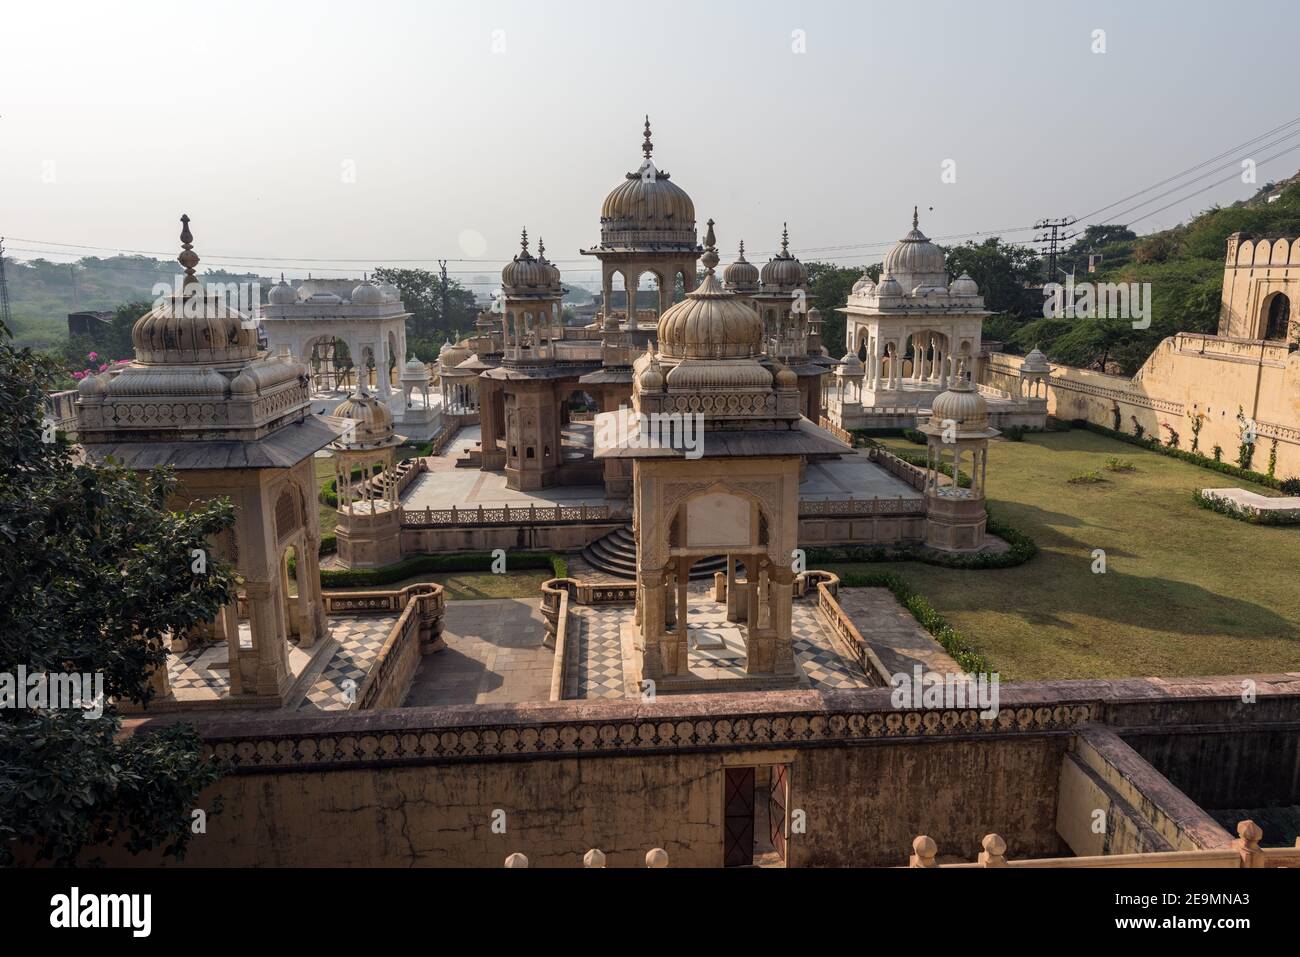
(360, 639)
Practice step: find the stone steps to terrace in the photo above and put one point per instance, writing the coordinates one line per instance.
(615, 554)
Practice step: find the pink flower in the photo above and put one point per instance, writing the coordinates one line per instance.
(92, 355)
(103, 367)
(78, 375)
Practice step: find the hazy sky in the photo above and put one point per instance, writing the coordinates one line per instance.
(116, 117)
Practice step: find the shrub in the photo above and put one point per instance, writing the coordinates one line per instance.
(437, 564)
(1086, 478)
(1195, 458)
(1290, 487)
(1014, 433)
(1022, 549)
(915, 437)
(1116, 464)
(1233, 510)
(967, 656)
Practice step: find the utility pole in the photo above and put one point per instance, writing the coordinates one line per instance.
(5, 315)
(445, 294)
(1053, 236)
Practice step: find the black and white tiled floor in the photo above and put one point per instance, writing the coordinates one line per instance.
(597, 669)
(360, 639)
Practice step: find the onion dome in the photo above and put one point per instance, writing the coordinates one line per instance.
(864, 286)
(647, 208)
(742, 275)
(851, 365)
(391, 292)
(784, 273)
(525, 274)
(414, 371)
(552, 270)
(452, 355)
(652, 376)
(194, 326)
(1036, 361)
(915, 262)
(785, 378)
(711, 322)
(964, 286)
(367, 294)
(888, 287)
(374, 422)
(962, 405)
(282, 294)
(91, 385)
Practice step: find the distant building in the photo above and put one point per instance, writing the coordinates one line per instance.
(87, 322)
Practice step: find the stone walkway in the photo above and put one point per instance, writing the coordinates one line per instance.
(718, 649)
(494, 654)
(893, 634)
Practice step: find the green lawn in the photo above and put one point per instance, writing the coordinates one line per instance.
(1186, 591)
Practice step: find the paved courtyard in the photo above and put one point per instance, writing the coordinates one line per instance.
(494, 654)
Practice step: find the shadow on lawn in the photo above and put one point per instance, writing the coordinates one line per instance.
(1147, 602)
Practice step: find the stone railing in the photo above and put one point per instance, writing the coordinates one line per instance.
(843, 435)
(555, 612)
(913, 475)
(1244, 852)
(445, 435)
(862, 506)
(826, 585)
(505, 515)
(418, 631)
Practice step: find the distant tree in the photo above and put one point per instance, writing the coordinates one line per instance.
(829, 286)
(422, 293)
(1002, 271)
(96, 572)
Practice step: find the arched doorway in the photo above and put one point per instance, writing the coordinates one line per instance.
(1277, 317)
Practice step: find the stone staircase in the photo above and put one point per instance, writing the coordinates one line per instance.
(615, 554)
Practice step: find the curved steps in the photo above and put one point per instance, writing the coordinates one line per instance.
(615, 554)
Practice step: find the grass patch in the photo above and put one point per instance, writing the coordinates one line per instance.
(1183, 594)
(1116, 464)
(1090, 477)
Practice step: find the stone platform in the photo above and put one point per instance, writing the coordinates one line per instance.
(1276, 509)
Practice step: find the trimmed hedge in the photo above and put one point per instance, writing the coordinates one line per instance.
(954, 642)
(1194, 458)
(439, 564)
(1022, 549)
(1233, 510)
(919, 459)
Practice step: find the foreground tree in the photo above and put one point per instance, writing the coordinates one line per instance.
(96, 573)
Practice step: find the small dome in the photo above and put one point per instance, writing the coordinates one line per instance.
(652, 377)
(367, 294)
(916, 262)
(374, 422)
(91, 385)
(526, 274)
(888, 287)
(962, 405)
(710, 323)
(282, 294)
(1036, 361)
(391, 292)
(964, 286)
(742, 275)
(864, 286)
(786, 378)
(784, 272)
(413, 365)
(851, 365)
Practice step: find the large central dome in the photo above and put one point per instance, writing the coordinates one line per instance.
(647, 209)
(915, 262)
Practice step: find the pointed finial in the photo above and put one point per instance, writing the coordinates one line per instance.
(710, 257)
(785, 239)
(916, 220)
(541, 248)
(742, 249)
(281, 277)
(188, 258)
(523, 240)
(647, 147)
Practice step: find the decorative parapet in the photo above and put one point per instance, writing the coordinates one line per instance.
(418, 631)
(826, 587)
(505, 515)
(842, 434)
(913, 475)
(863, 506)
(555, 612)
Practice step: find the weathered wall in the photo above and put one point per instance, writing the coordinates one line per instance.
(1188, 375)
(1227, 768)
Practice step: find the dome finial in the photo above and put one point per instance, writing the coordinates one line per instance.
(785, 240)
(188, 258)
(541, 247)
(916, 220)
(647, 147)
(742, 249)
(523, 240)
(710, 257)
